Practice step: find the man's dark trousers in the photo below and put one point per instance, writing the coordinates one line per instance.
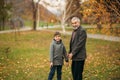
(77, 69)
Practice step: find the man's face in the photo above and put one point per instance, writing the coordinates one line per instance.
(75, 24)
(57, 37)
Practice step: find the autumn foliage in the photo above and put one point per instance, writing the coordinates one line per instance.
(104, 13)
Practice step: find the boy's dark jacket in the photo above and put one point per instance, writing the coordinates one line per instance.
(58, 53)
(77, 45)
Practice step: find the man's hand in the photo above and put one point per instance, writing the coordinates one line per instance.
(70, 55)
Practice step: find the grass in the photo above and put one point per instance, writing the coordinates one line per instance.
(26, 57)
(28, 23)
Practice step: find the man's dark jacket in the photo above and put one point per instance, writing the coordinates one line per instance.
(78, 44)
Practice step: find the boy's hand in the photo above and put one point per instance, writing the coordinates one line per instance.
(70, 55)
(51, 64)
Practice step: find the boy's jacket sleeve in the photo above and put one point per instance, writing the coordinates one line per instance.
(51, 52)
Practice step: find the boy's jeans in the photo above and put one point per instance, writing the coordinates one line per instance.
(52, 72)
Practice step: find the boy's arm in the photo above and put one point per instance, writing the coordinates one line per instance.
(65, 54)
(51, 53)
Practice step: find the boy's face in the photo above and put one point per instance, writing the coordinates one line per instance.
(57, 37)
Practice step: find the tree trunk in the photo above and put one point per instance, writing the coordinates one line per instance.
(63, 26)
(63, 19)
(3, 25)
(34, 18)
(0, 26)
(34, 14)
(38, 14)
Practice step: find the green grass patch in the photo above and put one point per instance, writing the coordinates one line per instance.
(26, 57)
(41, 24)
(28, 23)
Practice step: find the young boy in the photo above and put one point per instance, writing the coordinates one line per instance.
(57, 55)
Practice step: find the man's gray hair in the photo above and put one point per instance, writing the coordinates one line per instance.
(75, 19)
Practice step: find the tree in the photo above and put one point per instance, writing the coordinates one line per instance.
(35, 10)
(104, 13)
(71, 8)
(5, 10)
(101, 11)
(23, 8)
(112, 6)
(68, 9)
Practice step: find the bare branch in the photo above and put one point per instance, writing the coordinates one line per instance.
(70, 4)
(48, 4)
(72, 14)
(116, 11)
(118, 2)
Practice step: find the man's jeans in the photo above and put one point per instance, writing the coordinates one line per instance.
(52, 72)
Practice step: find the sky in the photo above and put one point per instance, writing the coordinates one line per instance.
(58, 6)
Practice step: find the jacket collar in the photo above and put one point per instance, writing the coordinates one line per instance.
(77, 28)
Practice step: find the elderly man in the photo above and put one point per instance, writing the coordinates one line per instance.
(77, 50)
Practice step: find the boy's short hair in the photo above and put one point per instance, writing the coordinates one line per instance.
(57, 33)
